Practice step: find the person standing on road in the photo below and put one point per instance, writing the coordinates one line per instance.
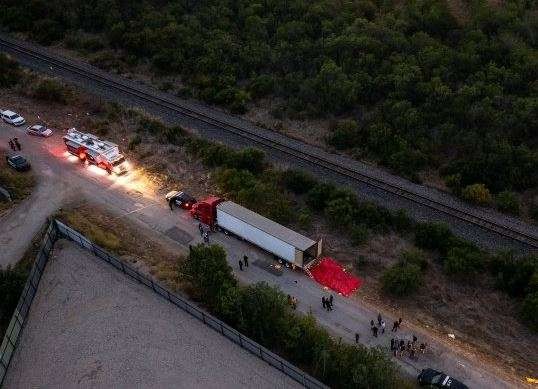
(323, 302)
(206, 237)
(201, 229)
(17, 144)
(357, 336)
(399, 322)
(240, 265)
(379, 319)
(171, 204)
(331, 298)
(11, 145)
(382, 326)
(395, 326)
(374, 329)
(245, 260)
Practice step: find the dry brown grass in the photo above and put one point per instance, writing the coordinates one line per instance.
(131, 243)
(18, 184)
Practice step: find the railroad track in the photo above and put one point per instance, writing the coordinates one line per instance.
(317, 160)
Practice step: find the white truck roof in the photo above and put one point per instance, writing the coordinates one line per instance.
(270, 227)
(93, 143)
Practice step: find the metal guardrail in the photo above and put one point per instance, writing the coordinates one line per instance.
(14, 330)
(57, 230)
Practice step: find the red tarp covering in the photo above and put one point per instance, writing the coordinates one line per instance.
(330, 273)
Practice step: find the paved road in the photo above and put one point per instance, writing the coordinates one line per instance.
(140, 205)
(480, 236)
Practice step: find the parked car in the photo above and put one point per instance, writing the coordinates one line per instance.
(436, 379)
(39, 130)
(181, 199)
(18, 162)
(13, 118)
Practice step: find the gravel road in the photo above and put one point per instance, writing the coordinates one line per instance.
(145, 208)
(92, 326)
(482, 237)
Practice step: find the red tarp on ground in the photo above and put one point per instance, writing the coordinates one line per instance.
(330, 273)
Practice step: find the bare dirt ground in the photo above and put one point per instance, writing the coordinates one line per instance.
(482, 319)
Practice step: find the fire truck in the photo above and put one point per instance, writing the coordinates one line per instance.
(89, 148)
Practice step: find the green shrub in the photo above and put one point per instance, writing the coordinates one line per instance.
(453, 181)
(340, 212)
(49, 89)
(402, 279)
(344, 134)
(415, 257)
(319, 196)
(305, 219)
(12, 282)
(134, 142)
(359, 235)
(529, 311)
(507, 201)
(298, 181)
(207, 269)
(10, 71)
(261, 86)
(477, 194)
(249, 159)
(463, 262)
(401, 221)
(514, 275)
(173, 135)
(434, 236)
(373, 216)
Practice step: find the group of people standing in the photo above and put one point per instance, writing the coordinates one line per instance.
(399, 347)
(380, 327)
(14, 144)
(327, 302)
(243, 263)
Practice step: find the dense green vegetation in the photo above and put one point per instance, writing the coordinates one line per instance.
(263, 313)
(417, 87)
(11, 285)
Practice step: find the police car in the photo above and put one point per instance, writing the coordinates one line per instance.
(436, 379)
(180, 199)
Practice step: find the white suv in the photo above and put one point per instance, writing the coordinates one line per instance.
(12, 118)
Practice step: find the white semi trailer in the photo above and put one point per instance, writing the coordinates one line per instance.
(274, 238)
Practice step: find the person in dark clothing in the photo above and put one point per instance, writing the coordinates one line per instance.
(201, 228)
(17, 144)
(11, 145)
(240, 265)
(399, 322)
(206, 237)
(379, 318)
(245, 260)
(395, 326)
(374, 329)
(392, 344)
(371, 323)
(331, 298)
(323, 302)
(357, 336)
(171, 204)
(414, 339)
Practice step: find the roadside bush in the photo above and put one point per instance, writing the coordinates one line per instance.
(134, 142)
(515, 275)
(359, 235)
(373, 216)
(434, 236)
(344, 135)
(507, 201)
(249, 159)
(477, 194)
(319, 196)
(529, 311)
(401, 221)
(402, 279)
(173, 135)
(415, 257)
(305, 219)
(298, 181)
(261, 86)
(12, 282)
(208, 271)
(463, 262)
(10, 71)
(340, 212)
(49, 89)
